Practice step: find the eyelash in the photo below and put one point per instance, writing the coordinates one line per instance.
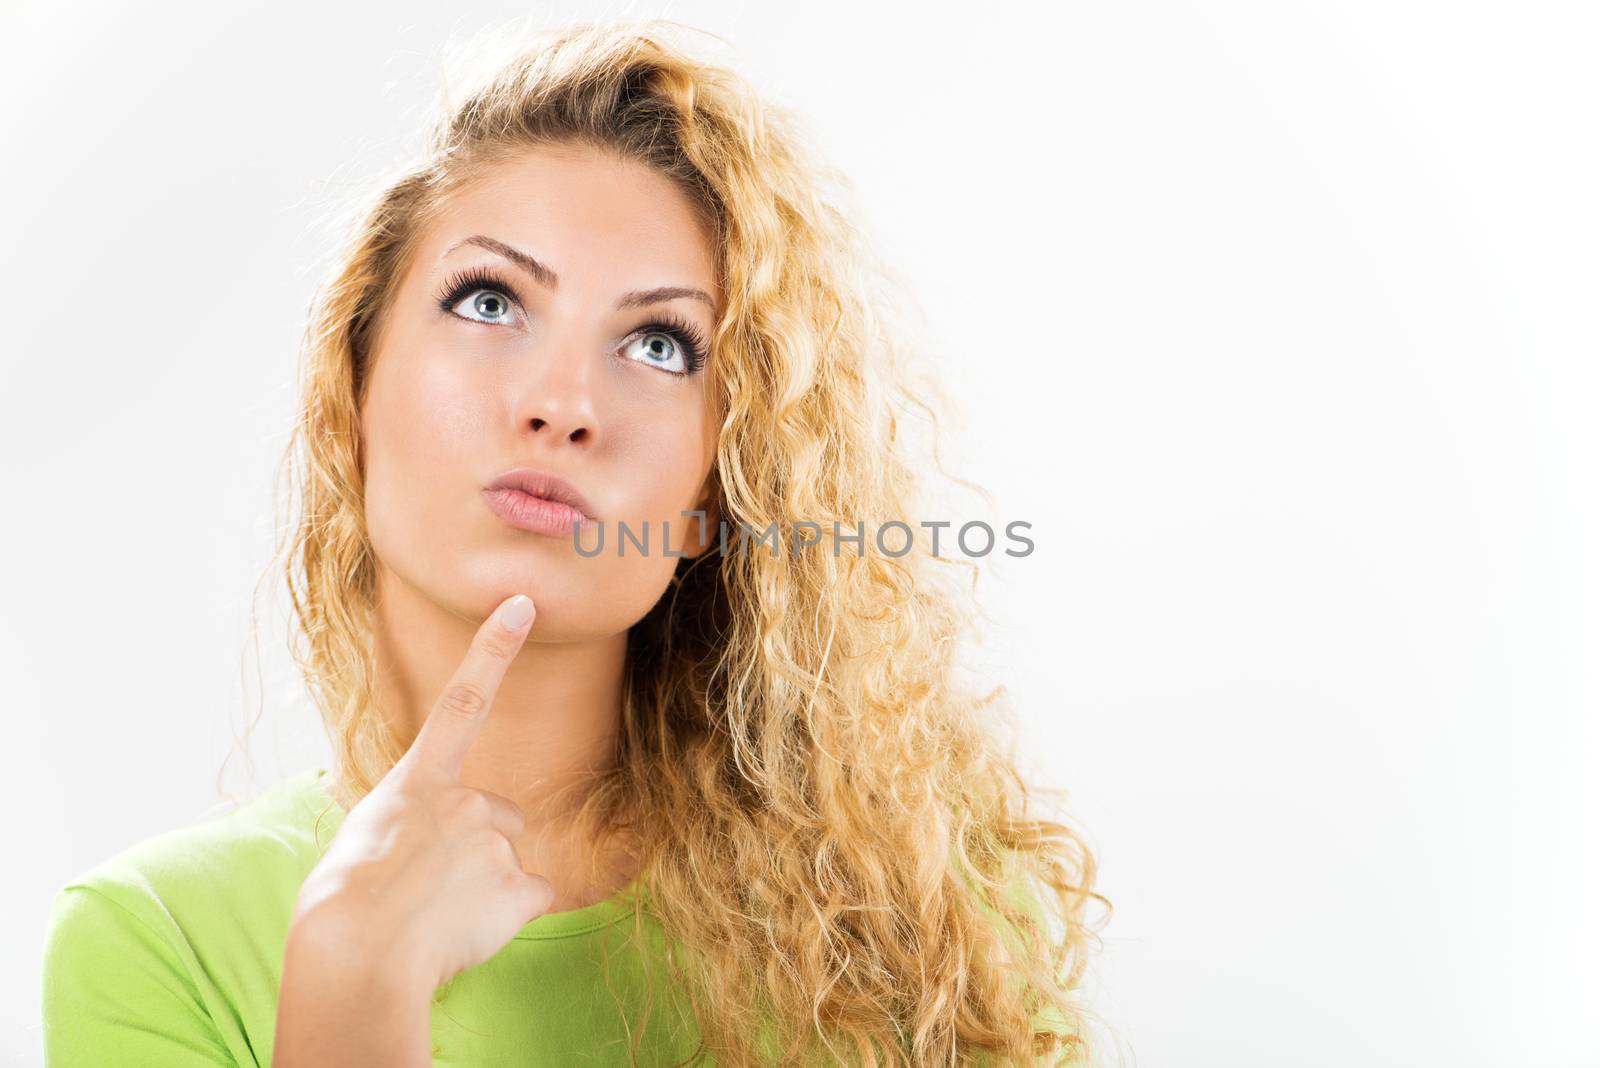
(688, 336)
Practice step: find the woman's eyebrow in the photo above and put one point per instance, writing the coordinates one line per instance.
(548, 278)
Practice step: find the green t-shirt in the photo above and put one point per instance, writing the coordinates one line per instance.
(170, 954)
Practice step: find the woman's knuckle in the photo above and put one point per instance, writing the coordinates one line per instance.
(470, 805)
(501, 645)
(463, 699)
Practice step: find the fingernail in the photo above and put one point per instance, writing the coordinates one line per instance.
(517, 611)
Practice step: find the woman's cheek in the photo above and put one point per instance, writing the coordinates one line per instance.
(446, 407)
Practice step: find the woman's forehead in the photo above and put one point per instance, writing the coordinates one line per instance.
(574, 211)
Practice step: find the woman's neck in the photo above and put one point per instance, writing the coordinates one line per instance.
(552, 729)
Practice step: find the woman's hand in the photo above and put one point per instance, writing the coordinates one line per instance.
(422, 881)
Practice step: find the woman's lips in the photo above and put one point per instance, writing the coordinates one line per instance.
(527, 512)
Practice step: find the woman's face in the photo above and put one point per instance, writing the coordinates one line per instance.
(486, 364)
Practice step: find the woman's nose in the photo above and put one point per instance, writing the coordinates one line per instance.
(557, 399)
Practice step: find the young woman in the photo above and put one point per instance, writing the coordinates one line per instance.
(694, 797)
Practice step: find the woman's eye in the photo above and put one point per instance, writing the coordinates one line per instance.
(487, 306)
(661, 350)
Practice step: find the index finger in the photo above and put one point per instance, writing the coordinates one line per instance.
(459, 714)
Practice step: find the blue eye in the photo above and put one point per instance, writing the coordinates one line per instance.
(489, 303)
(490, 300)
(662, 351)
(478, 296)
(672, 347)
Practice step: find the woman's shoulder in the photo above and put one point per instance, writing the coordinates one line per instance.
(273, 835)
(169, 951)
(226, 868)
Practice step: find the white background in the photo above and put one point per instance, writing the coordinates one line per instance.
(1277, 320)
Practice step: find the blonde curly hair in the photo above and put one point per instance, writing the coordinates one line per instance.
(837, 844)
